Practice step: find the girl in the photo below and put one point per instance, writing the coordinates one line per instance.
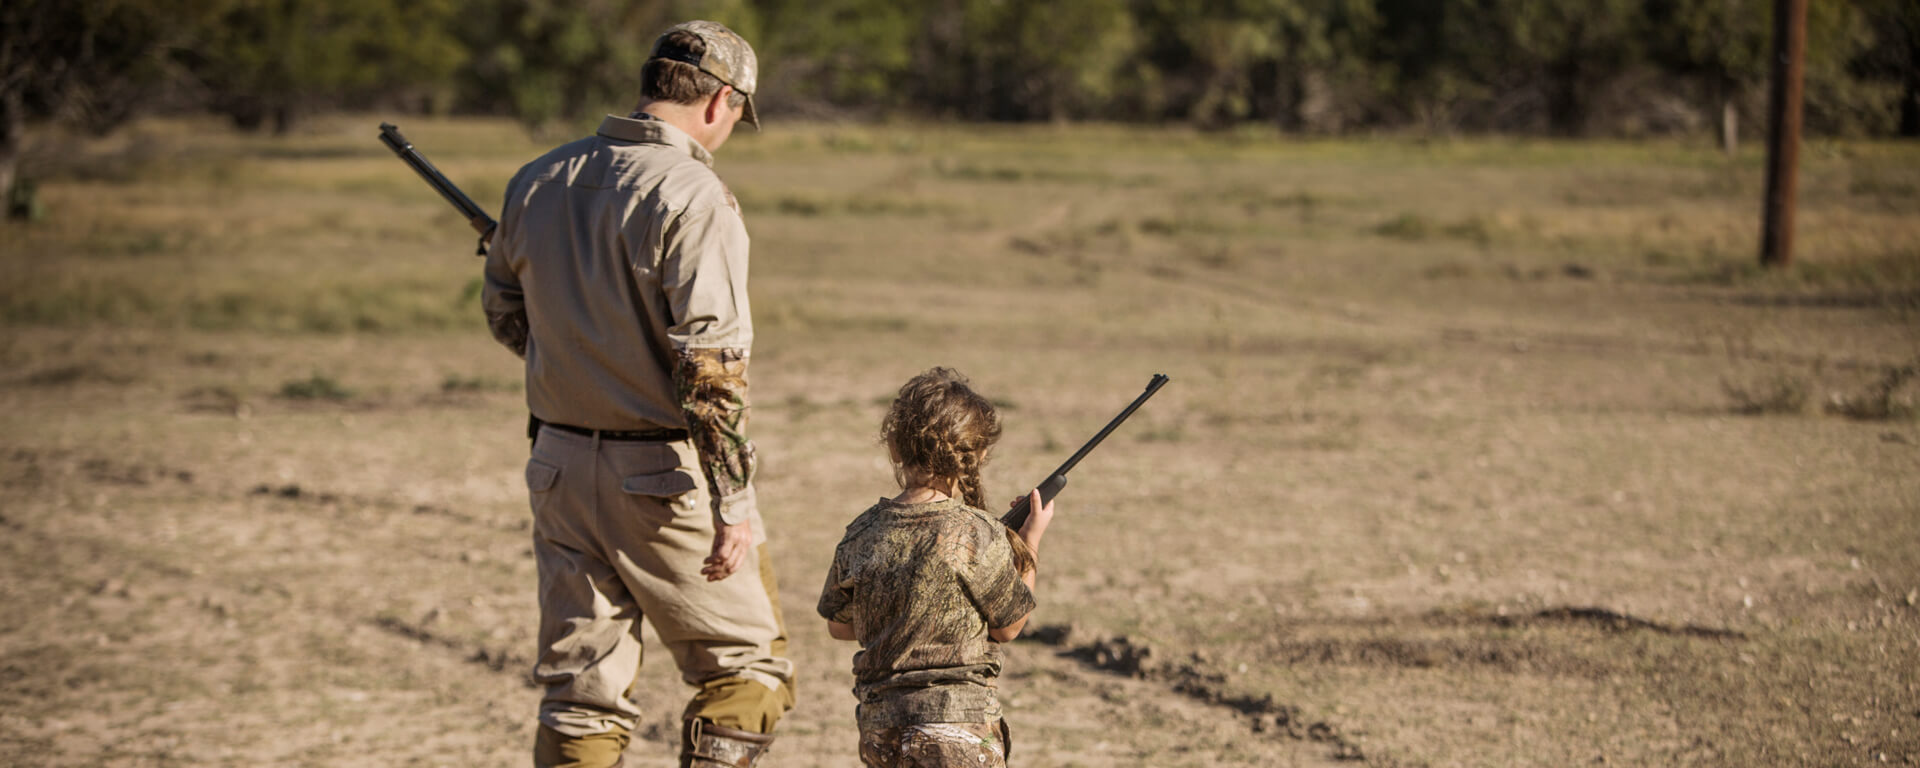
(931, 585)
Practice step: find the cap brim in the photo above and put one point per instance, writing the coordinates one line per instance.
(751, 116)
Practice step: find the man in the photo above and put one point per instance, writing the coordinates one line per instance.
(619, 273)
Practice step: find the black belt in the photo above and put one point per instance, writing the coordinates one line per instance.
(626, 435)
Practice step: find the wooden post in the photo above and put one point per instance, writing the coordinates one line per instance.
(1783, 135)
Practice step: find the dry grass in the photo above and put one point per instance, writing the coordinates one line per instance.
(1454, 469)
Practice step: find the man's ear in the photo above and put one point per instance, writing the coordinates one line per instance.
(717, 104)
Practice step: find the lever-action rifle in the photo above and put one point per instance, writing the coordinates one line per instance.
(477, 218)
(1058, 480)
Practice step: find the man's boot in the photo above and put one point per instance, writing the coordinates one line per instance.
(705, 745)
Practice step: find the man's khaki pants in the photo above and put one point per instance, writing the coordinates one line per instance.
(621, 530)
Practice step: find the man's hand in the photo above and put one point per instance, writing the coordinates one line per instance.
(731, 545)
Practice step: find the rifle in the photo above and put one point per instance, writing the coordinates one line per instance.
(477, 218)
(1058, 480)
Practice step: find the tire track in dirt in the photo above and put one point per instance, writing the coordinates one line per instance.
(1387, 643)
(494, 659)
(294, 492)
(1196, 678)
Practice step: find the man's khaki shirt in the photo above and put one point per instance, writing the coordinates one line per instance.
(621, 249)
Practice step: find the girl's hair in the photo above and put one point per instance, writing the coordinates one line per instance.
(939, 431)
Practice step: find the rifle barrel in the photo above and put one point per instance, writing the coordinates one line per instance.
(476, 217)
(1159, 380)
(1017, 516)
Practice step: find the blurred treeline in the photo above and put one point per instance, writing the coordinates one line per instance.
(1582, 68)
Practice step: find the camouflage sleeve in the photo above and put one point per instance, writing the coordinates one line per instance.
(836, 599)
(712, 386)
(510, 328)
(992, 581)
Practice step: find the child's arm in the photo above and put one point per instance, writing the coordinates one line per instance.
(835, 599)
(1030, 534)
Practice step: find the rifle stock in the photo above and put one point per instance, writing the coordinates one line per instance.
(475, 215)
(1052, 486)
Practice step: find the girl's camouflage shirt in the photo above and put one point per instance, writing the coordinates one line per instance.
(921, 584)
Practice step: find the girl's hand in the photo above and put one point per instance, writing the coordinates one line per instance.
(1038, 517)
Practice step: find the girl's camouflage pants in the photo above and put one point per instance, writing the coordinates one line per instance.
(936, 745)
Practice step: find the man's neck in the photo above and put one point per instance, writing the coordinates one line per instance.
(685, 117)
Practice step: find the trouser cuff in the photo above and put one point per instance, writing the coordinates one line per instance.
(705, 745)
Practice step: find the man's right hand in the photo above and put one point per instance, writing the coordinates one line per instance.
(731, 545)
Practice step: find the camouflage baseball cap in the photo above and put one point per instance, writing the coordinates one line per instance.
(728, 57)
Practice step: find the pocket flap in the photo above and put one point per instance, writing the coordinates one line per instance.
(668, 484)
(540, 475)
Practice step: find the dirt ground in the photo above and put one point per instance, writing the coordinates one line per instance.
(1476, 453)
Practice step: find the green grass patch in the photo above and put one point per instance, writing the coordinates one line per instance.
(1414, 227)
(804, 205)
(1894, 396)
(316, 387)
(981, 172)
(456, 384)
(70, 301)
(1890, 281)
(1769, 393)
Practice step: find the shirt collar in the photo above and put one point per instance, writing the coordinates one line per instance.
(643, 128)
(922, 508)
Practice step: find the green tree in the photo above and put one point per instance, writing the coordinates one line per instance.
(1303, 64)
(1323, 75)
(985, 59)
(1723, 43)
(1894, 56)
(90, 63)
(263, 60)
(824, 56)
(547, 61)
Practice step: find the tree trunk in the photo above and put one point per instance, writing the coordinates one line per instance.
(12, 124)
(1729, 127)
(1910, 97)
(1566, 100)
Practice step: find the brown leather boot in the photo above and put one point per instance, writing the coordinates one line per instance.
(705, 745)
